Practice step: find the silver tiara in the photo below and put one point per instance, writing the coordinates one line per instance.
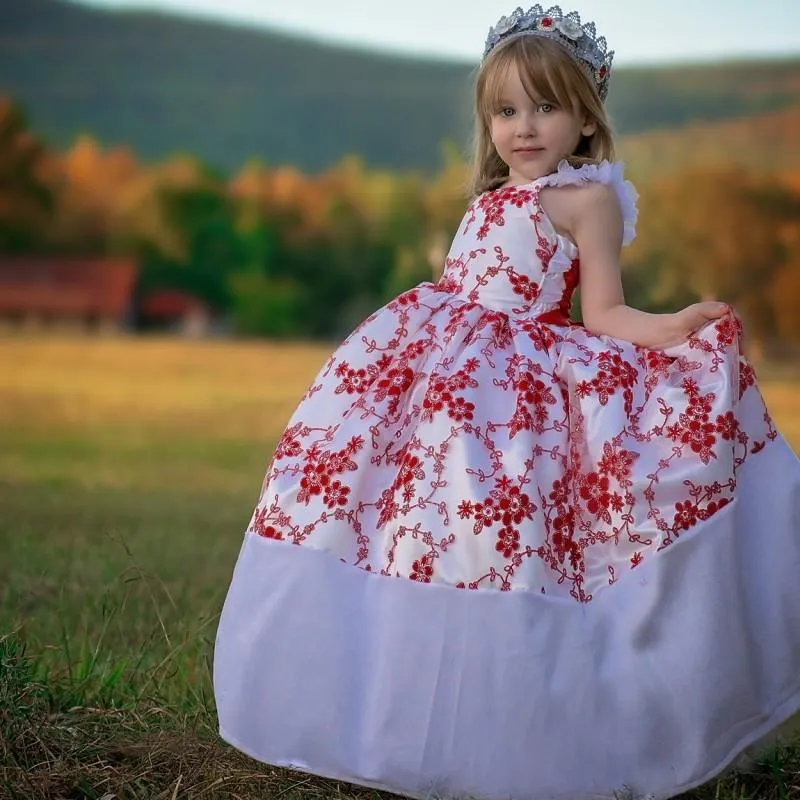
(580, 39)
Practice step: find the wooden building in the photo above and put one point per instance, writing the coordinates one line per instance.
(90, 292)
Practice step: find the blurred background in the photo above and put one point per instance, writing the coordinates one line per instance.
(197, 201)
(280, 170)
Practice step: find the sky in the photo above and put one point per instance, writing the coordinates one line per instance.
(640, 31)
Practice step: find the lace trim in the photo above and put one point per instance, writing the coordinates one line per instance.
(606, 172)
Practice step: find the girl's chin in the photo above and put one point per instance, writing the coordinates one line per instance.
(530, 169)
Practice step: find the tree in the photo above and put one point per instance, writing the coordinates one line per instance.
(209, 248)
(707, 234)
(26, 200)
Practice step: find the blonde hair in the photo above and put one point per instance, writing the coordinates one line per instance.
(549, 73)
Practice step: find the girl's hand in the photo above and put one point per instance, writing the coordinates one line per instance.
(695, 316)
(692, 318)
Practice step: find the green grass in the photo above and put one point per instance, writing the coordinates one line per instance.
(128, 470)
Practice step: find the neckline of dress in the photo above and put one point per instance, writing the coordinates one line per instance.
(563, 167)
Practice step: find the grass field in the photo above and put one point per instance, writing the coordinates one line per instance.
(128, 470)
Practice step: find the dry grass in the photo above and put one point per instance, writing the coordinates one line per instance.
(50, 750)
(128, 469)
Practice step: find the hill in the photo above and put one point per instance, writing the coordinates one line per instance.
(767, 142)
(165, 84)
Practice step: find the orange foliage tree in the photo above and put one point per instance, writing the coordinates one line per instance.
(713, 234)
(281, 253)
(26, 200)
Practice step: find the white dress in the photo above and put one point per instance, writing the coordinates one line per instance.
(498, 556)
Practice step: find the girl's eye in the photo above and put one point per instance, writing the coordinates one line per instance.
(546, 108)
(507, 112)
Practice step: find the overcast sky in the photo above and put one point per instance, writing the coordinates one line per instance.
(640, 31)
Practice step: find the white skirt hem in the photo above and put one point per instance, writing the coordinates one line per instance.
(652, 688)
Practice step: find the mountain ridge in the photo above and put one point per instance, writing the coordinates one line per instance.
(164, 83)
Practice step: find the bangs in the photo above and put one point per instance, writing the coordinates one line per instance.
(549, 74)
(544, 68)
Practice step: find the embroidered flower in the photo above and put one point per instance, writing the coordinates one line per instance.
(422, 570)
(388, 462)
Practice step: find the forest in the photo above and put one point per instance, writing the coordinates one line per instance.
(278, 252)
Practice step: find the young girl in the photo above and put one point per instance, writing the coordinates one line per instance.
(501, 555)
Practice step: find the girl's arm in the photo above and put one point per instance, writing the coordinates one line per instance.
(596, 226)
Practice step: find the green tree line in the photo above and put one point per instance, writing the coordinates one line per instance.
(280, 253)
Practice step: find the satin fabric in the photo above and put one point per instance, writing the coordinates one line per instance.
(517, 542)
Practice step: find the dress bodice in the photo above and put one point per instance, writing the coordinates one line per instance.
(507, 255)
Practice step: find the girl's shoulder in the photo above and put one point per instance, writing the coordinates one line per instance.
(610, 175)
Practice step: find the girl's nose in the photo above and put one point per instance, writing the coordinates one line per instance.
(526, 125)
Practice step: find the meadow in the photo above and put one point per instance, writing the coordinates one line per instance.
(128, 470)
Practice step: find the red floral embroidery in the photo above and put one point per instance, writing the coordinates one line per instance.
(468, 433)
(727, 425)
(493, 205)
(320, 467)
(354, 381)
(729, 330)
(289, 445)
(522, 285)
(422, 569)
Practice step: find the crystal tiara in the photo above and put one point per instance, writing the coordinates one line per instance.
(580, 39)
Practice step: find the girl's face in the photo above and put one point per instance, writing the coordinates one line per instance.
(530, 134)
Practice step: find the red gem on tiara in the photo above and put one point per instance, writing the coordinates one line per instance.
(603, 71)
(547, 22)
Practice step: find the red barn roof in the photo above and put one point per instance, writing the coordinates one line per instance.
(60, 286)
(170, 304)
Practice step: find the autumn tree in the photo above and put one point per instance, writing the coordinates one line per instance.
(708, 234)
(209, 248)
(26, 201)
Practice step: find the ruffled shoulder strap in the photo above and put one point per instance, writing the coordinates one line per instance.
(604, 172)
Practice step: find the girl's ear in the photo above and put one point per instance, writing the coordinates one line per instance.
(589, 128)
